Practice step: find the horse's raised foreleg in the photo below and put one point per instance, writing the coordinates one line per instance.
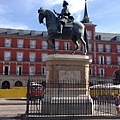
(75, 41)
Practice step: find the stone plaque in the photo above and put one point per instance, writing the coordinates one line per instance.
(69, 76)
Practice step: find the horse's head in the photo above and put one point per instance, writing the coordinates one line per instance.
(41, 12)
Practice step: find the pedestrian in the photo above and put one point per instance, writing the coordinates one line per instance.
(117, 104)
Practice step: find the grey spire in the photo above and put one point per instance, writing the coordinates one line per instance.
(86, 18)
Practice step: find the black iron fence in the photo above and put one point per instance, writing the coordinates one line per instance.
(69, 99)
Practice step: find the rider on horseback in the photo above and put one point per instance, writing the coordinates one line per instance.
(63, 16)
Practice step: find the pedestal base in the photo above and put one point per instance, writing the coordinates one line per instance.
(82, 105)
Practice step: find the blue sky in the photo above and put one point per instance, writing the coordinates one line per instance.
(23, 14)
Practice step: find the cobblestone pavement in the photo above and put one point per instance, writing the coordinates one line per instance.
(16, 107)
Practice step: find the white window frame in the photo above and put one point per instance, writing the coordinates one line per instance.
(20, 43)
(7, 56)
(32, 43)
(43, 69)
(57, 45)
(19, 56)
(108, 60)
(101, 72)
(32, 56)
(101, 60)
(4, 69)
(31, 70)
(44, 56)
(67, 45)
(100, 47)
(118, 60)
(108, 48)
(118, 48)
(44, 45)
(90, 47)
(17, 70)
(7, 42)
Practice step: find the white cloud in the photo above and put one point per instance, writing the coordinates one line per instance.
(13, 25)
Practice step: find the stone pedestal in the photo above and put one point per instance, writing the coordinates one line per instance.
(67, 81)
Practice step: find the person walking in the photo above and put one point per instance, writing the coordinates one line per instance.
(117, 104)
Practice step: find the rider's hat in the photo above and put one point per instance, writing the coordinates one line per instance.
(65, 3)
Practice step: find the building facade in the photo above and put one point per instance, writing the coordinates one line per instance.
(22, 55)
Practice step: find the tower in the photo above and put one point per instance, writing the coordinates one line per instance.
(89, 25)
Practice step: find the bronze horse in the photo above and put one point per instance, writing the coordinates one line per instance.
(74, 30)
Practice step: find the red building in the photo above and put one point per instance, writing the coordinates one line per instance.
(22, 53)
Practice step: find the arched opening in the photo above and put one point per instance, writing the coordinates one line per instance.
(18, 83)
(116, 76)
(6, 85)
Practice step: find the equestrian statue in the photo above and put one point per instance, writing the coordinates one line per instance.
(63, 26)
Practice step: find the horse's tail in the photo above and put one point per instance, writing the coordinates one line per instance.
(86, 38)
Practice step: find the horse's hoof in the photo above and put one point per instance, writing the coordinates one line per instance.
(73, 53)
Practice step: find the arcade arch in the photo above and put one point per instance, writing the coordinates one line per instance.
(6, 85)
(116, 76)
(18, 83)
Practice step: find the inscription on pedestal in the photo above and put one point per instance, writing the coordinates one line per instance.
(69, 76)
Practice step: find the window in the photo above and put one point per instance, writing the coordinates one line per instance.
(118, 48)
(20, 43)
(43, 70)
(19, 56)
(118, 60)
(31, 70)
(32, 56)
(90, 47)
(6, 70)
(89, 34)
(101, 72)
(32, 43)
(90, 71)
(100, 47)
(19, 70)
(66, 45)
(7, 42)
(57, 45)
(108, 60)
(7, 56)
(44, 56)
(44, 45)
(101, 59)
(107, 48)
